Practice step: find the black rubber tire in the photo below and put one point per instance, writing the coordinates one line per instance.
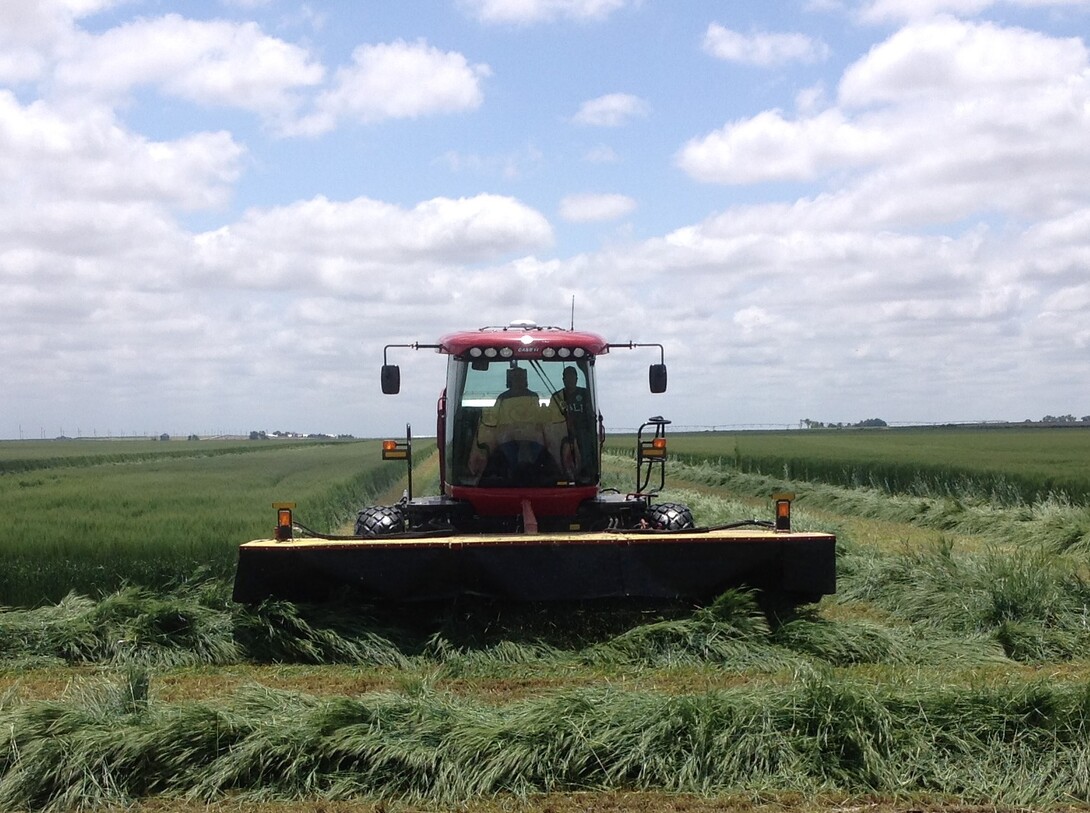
(380, 520)
(670, 516)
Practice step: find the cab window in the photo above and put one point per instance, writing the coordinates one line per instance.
(519, 424)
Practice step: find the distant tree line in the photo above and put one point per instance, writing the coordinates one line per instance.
(261, 434)
(869, 423)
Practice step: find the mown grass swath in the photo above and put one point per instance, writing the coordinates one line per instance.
(1011, 745)
(165, 519)
(813, 729)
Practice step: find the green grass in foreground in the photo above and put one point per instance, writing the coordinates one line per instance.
(821, 724)
(1013, 745)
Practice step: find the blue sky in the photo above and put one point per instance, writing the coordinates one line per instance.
(215, 214)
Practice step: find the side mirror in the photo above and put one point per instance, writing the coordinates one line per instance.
(656, 377)
(391, 379)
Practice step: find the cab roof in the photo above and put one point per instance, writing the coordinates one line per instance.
(524, 339)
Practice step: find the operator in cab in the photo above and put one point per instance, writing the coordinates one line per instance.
(511, 436)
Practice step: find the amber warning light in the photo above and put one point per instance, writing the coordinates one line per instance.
(392, 450)
(283, 520)
(783, 510)
(656, 448)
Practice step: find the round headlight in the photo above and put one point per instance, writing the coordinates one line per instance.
(475, 352)
(490, 352)
(579, 352)
(506, 352)
(563, 352)
(548, 352)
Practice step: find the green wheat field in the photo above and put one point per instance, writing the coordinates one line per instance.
(951, 671)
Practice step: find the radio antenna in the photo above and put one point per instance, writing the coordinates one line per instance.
(573, 311)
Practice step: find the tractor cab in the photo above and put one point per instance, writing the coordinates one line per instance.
(519, 430)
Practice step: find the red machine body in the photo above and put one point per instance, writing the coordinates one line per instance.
(522, 513)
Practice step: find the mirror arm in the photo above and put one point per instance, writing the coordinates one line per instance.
(413, 346)
(631, 345)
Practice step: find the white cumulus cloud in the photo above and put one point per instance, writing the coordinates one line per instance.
(762, 48)
(338, 245)
(91, 157)
(593, 208)
(959, 60)
(611, 110)
(884, 11)
(533, 11)
(769, 146)
(398, 80)
(214, 63)
(949, 113)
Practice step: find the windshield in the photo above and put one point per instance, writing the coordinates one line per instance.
(521, 423)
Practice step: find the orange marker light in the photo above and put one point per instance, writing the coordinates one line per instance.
(283, 520)
(654, 448)
(783, 510)
(393, 450)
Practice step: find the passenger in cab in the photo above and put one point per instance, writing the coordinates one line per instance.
(574, 404)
